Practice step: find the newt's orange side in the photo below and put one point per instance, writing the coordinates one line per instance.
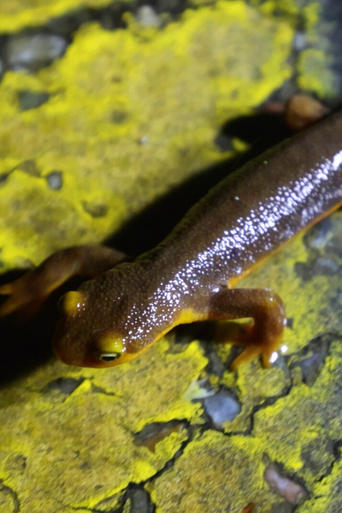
(188, 277)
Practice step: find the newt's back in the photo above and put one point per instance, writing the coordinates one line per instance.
(255, 210)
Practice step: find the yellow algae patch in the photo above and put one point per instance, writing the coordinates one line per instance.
(315, 74)
(81, 448)
(78, 453)
(167, 447)
(255, 385)
(18, 14)
(316, 62)
(154, 386)
(299, 428)
(214, 473)
(326, 493)
(289, 9)
(131, 114)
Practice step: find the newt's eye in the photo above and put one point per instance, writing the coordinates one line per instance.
(109, 347)
(109, 357)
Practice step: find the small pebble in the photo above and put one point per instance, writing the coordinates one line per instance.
(327, 266)
(55, 180)
(154, 433)
(299, 41)
(221, 407)
(224, 142)
(31, 99)
(147, 16)
(143, 140)
(63, 385)
(285, 487)
(31, 52)
(318, 237)
(140, 501)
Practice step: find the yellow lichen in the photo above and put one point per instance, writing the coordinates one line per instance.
(18, 14)
(314, 72)
(93, 428)
(212, 474)
(326, 493)
(122, 140)
(304, 419)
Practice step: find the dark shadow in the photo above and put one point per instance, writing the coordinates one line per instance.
(152, 224)
(26, 339)
(27, 344)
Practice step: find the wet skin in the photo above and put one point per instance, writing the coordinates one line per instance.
(190, 276)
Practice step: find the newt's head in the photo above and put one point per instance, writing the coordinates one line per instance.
(99, 322)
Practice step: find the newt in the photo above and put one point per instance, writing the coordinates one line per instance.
(125, 306)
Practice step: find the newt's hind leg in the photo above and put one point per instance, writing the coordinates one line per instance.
(267, 311)
(32, 289)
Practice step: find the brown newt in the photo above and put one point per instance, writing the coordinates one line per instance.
(190, 276)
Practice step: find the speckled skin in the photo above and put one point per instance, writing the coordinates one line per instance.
(244, 218)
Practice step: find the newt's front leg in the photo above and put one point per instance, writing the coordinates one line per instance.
(35, 286)
(267, 311)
